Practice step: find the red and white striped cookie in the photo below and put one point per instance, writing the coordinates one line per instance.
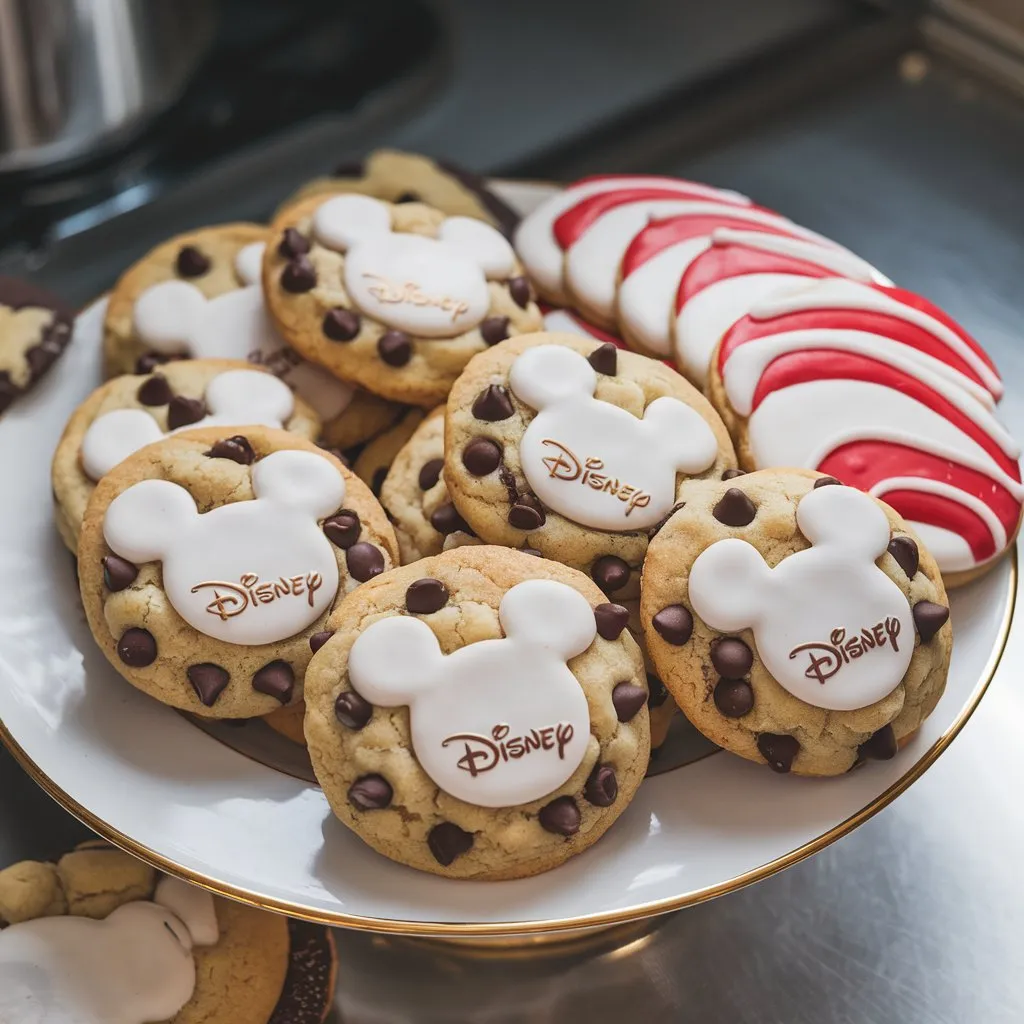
(571, 245)
(882, 390)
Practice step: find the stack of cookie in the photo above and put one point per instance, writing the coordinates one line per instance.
(477, 629)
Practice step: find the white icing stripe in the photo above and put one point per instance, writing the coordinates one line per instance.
(940, 487)
(840, 294)
(561, 320)
(949, 549)
(747, 363)
(803, 424)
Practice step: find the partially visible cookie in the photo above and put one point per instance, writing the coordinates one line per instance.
(35, 328)
(577, 450)
(365, 416)
(478, 715)
(396, 298)
(129, 412)
(797, 622)
(411, 178)
(210, 561)
(374, 461)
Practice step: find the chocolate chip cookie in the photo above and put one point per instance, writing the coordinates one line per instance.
(129, 412)
(396, 298)
(210, 561)
(796, 621)
(478, 714)
(577, 450)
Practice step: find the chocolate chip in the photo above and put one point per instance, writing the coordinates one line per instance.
(657, 694)
(447, 841)
(293, 244)
(778, 751)
(446, 519)
(276, 680)
(481, 456)
(236, 448)
(610, 573)
(526, 514)
(493, 404)
(734, 697)
(425, 596)
(605, 359)
(370, 793)
(731, 657)
(734, 508)
(904, 550)
(137, 647)
(628, 699)
(298, 276)
(351, 710)
(880, 746)
(494, 329)
(155, 391)
(561, 816)
(611, 620)
(191, 262)
(674, 624)
(343, 528)
(118, 573)
(826, 481)
(340, 324)
(601, 787)
(148, 362)
(364, 561)
(182, 411)
(208, 681)
(731, 474)
(380, 474)
(430, 473)
(317, 640)
(395, 348)
(929, 618)
(408, 197)
(519, 289)
(9, 391)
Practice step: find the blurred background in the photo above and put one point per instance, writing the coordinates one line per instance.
(896, 128)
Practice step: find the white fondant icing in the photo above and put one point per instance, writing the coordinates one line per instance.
(249, 572)
(949, 549)
(593, 462)
(193, 906)
(497, 723)
(249, 263)
(234, 398)
(828, 624)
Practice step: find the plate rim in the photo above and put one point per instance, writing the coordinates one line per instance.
(603, 919)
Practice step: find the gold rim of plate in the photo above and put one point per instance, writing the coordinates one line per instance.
(590, 922)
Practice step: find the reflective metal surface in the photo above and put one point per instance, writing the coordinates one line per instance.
(78, 74)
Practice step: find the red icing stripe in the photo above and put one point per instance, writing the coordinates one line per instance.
(571, 224)
(825, 364)
(660, 234)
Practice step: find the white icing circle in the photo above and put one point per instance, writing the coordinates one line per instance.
(249, 263)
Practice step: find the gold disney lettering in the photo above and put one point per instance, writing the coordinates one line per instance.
(482, 753)
(566, 466)
(231, 599)
(410, 293)
(826, 659)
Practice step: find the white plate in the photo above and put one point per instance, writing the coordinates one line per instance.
(148, 780)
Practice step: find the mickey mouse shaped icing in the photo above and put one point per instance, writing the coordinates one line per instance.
(132, 967)
(249, 572)
(498, 722)
(234, 398)
(593, 462)
(430, 287)
(828, 623)
(174, 317)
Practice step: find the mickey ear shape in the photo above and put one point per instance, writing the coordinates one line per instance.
(112, 437)
(683, 433)
(547, 374)
(167, 314)
(480, 244)
(249, 263)
(728, 584)
(249, 396)
(142, 522)
(548, 614)
(192, 906)
(846, 516)
(395, 660)
(343, 221)
(302, 480)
